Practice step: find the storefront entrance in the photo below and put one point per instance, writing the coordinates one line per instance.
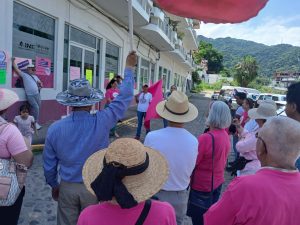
(82, 62)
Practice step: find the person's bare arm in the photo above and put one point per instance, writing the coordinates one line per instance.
(25, 158)
(16, 68)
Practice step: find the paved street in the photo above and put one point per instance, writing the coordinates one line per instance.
(38, 206)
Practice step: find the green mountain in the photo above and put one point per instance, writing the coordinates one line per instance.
(270, 59)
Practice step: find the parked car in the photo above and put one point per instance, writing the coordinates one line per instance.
(280, 99)
(265, 96)
(215, 95)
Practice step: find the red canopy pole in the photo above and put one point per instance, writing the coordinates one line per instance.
(130, 24)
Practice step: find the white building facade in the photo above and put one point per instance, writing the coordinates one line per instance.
(69, 39)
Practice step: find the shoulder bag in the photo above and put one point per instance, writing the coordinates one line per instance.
(12, 178)
(144, 213)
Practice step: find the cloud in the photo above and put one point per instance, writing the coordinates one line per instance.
(269, 31)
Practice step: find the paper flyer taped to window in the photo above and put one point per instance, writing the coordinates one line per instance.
(74, 72)
(89, 76)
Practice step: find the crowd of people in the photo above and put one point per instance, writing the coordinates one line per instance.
(172, 174)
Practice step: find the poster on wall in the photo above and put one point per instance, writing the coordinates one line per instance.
(74, 72)
(89, 75)
(22, 63)
(3, 66)
(43, 71)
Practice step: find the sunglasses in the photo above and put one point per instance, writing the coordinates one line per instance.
(262, 140)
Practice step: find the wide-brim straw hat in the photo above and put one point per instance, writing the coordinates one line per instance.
(79, 94)
(7, 98)
(177, 108)
(130, 153)
(265, 110)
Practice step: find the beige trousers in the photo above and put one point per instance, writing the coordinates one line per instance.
(73, 198)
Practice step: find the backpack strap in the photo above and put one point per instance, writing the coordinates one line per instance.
(144, 213)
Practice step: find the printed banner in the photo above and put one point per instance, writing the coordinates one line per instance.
(74, 72)
(22, 63)
(43, 66)
(43, 71)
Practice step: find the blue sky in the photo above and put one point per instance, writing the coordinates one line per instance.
(278, 22)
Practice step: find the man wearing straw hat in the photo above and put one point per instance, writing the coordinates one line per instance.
(72, 140)
(179, 147)
(32, 86)
(123, 177)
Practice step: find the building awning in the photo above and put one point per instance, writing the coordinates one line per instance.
(214, 11)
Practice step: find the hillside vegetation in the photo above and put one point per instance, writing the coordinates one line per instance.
(282, 57)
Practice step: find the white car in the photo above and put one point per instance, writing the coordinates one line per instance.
(279, 99)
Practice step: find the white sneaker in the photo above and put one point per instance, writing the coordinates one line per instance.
(37, 126)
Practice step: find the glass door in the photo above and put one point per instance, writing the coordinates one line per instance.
(82, 63)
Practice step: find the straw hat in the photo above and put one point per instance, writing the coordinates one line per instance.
(30, 65)
(265, 110)
(79, 94)
(130, 153)
(177, 108)
(7, 98)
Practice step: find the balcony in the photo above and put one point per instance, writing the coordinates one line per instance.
(119, 9)
(158, 32)
(186, 26)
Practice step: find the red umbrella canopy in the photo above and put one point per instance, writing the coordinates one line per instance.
(214, 11)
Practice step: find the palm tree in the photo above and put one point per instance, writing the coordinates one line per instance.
(246, 71)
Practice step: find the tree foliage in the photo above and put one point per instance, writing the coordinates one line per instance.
(246, 71)
(270, 59)
(213, 57)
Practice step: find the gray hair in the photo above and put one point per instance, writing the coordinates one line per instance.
(219, 115)
(282, 138)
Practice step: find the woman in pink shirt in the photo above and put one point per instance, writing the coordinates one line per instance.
(247, 105)
(123, 177)
(208, 175)
(112, 92)
(12, 145)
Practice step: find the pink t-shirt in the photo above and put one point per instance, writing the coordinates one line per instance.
(161, 213)
(11, 141)
(203, 171)
(269, 197)
(247, 147)
(112, 93)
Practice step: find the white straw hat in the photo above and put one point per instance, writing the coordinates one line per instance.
(30, 65)
(129, 153)
(7, 98)
(177, 108)
(265, 110)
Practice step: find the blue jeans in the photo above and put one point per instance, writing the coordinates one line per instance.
(298, 163)
(199, 203)
(165, 123)
(235, 140)
(141, 116)
(35, 105)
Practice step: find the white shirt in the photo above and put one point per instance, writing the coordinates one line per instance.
(144, 101)
(239, 111)
(180, 149)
